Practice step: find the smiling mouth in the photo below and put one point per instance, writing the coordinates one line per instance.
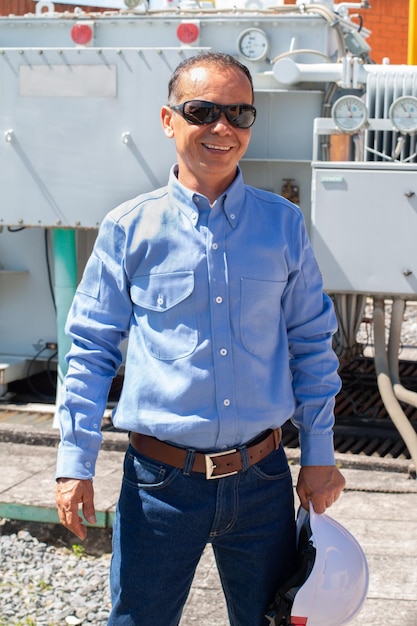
(211, 146)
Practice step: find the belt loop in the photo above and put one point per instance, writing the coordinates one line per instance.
(277, 437)
(189, 462)
(245, 458)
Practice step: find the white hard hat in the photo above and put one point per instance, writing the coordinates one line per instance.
(331, 583)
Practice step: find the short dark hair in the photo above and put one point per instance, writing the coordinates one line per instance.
(218, 59)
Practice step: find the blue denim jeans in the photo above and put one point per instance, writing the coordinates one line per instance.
(164, 520)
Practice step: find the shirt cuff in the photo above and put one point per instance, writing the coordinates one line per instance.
(73, 462)
(316, 449)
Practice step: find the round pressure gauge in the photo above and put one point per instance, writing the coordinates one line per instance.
(403, 114)
(349, 114)
(253, 44)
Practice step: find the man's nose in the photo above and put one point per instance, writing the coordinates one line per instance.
(221, 122)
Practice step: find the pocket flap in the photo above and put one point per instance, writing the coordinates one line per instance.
(159, 292)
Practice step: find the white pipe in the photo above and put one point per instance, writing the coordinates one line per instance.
(401, 392)
(288, 72)
(388, 397)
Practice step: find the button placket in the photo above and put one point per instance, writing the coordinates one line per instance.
(220, 323)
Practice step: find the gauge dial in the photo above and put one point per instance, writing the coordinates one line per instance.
(349, 114)
(253, 44)
(403, 114)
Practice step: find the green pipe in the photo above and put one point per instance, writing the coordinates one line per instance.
(65, 271)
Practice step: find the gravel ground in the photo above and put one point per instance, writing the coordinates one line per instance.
(41, 585)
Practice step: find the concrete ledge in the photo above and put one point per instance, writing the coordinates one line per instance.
(30, 434)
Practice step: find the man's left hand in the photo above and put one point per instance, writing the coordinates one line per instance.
(322, 484)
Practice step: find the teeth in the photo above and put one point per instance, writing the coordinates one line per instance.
(213, 147)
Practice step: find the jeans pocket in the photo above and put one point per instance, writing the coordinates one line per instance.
(273, 467)
(141, 472)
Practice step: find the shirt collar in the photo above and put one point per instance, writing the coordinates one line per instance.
(191, 202)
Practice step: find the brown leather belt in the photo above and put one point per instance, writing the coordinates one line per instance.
(214, 464)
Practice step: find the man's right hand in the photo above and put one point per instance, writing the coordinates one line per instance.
(70, 493)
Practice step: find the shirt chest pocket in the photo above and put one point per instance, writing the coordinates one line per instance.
(260, 309)
(163, 306)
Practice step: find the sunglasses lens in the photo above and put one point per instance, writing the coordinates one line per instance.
(200, 112)
(241, 115)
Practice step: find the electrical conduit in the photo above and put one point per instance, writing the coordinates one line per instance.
(386, 391)
(403, 394)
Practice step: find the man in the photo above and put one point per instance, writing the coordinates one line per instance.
(229, 336)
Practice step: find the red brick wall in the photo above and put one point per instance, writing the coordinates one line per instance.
(388, 22)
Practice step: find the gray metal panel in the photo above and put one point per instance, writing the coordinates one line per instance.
(64, 81)
(283, 127)
(364, 224)
(68, 159)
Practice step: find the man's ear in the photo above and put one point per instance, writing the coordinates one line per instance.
(166, 119)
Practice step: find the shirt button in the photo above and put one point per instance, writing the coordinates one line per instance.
(194, 216)
(215, 246)
(223, 351)
(232, 216)
(88, 464)
(226, 402)
(219, 299)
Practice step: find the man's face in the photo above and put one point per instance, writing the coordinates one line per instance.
(208, 154)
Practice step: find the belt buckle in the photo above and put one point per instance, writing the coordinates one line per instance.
(211, 466)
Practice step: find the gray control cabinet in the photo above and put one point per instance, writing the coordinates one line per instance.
(364, 225)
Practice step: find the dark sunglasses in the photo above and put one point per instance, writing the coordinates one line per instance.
(202, 112)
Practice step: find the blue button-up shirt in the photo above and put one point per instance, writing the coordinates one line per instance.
(229, 330)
